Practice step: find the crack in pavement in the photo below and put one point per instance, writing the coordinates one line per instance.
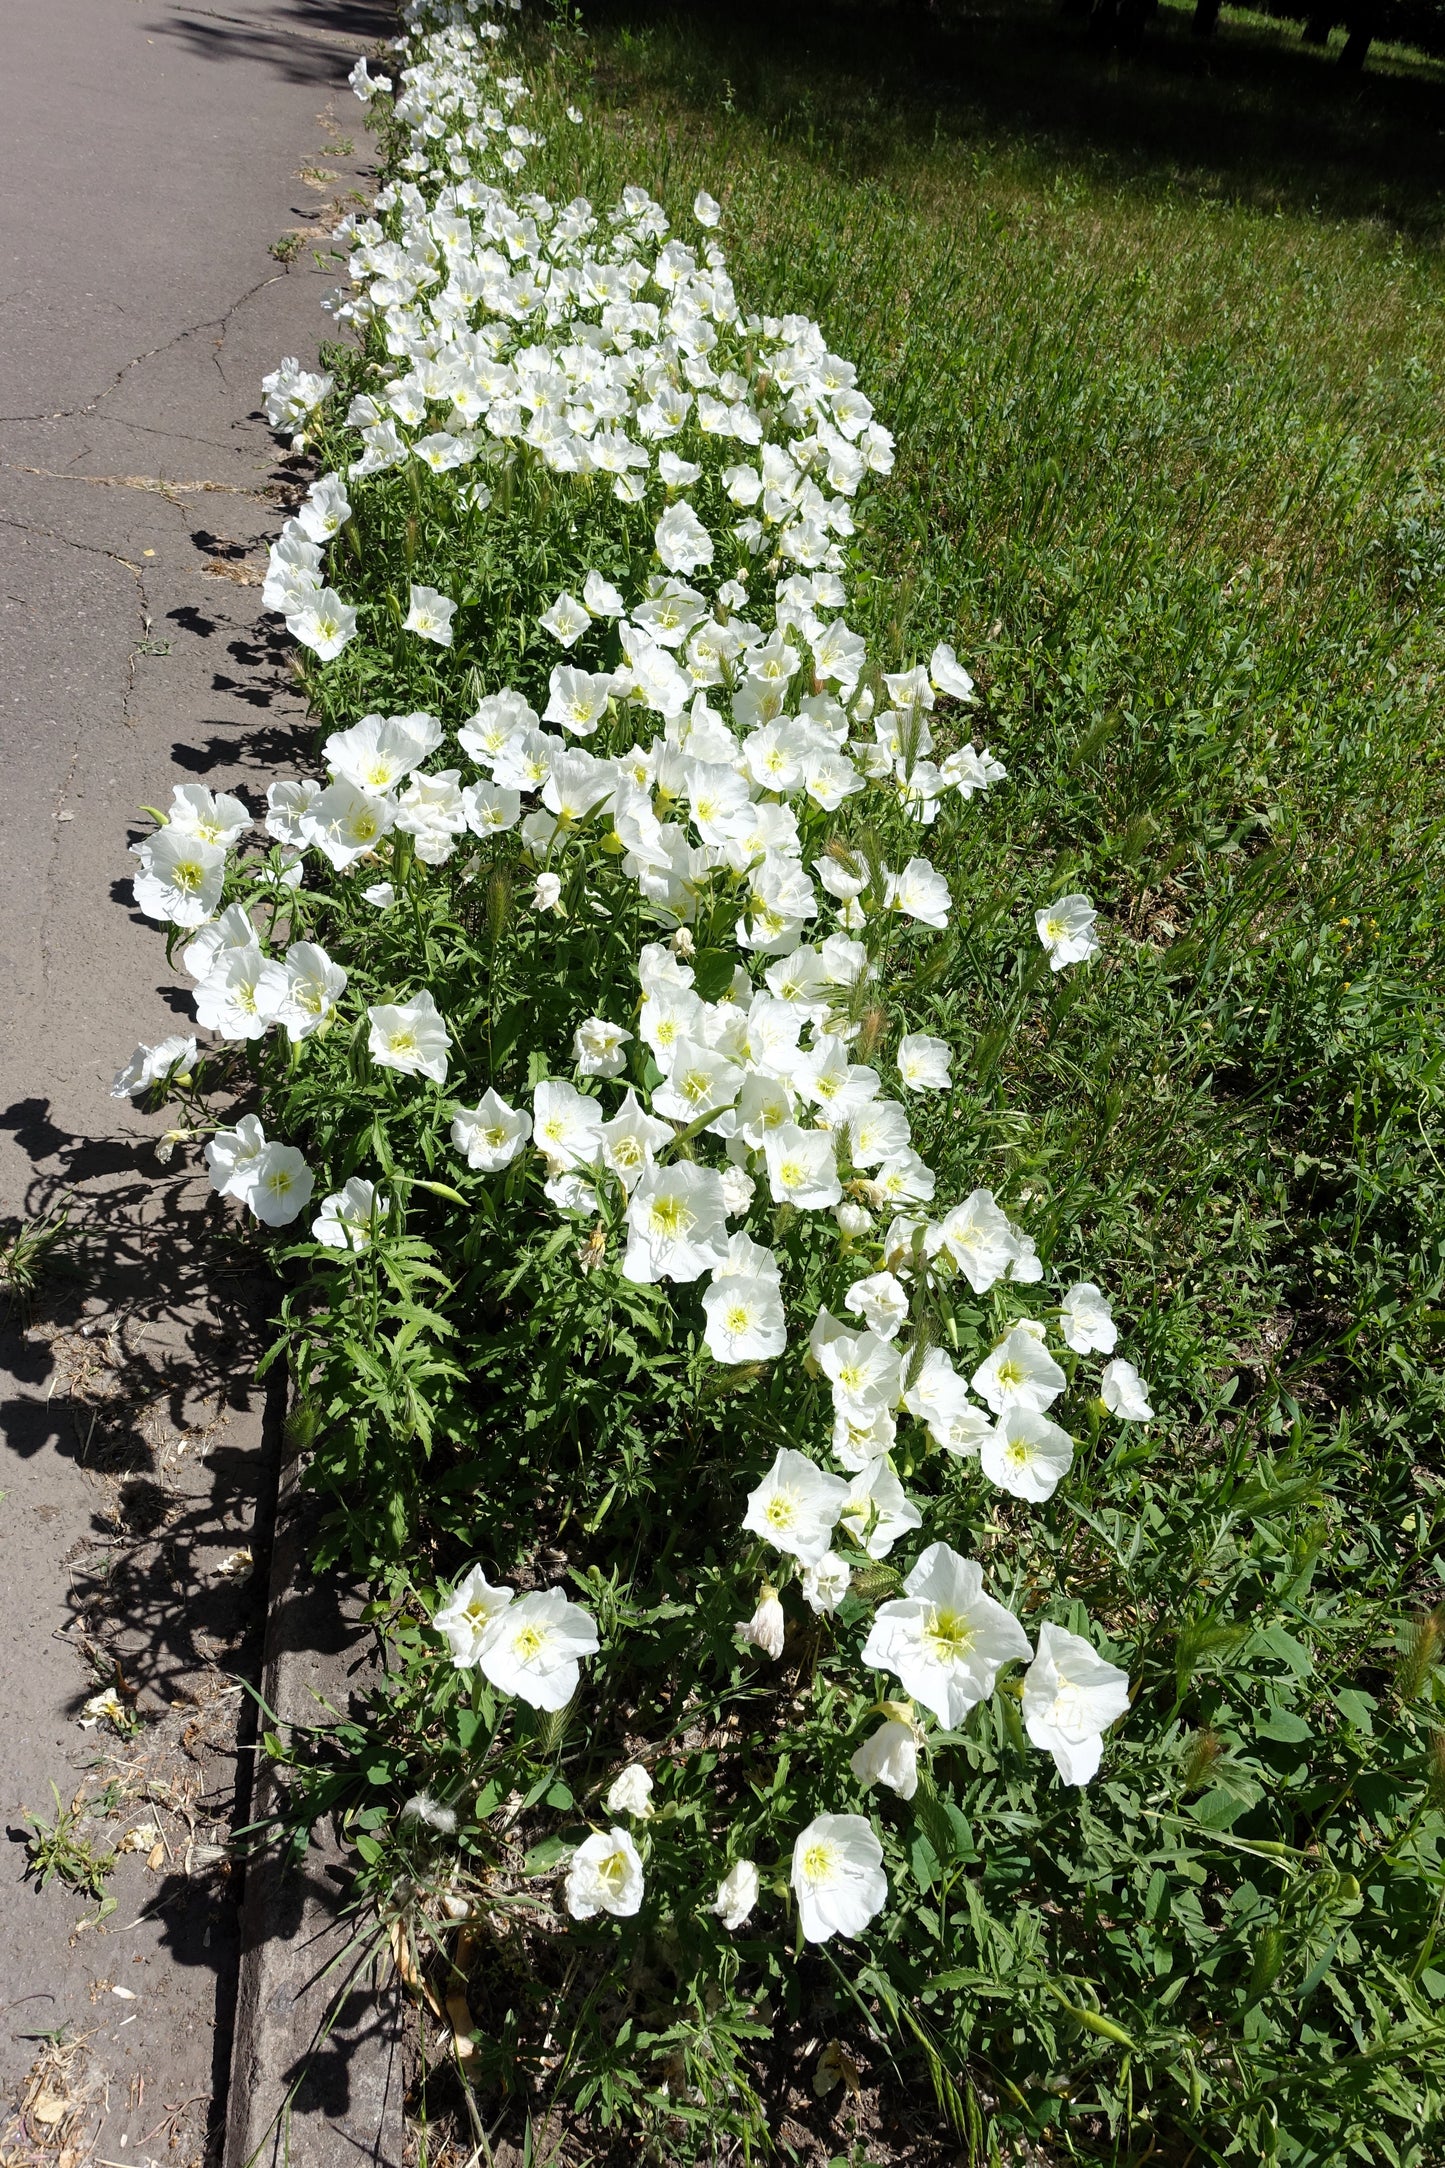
(209, 323)
(273, 492)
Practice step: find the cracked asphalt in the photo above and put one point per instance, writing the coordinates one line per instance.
(151, 154)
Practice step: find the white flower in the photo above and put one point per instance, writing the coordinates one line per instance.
(532, 1648)
(853, 1219)
(410, 1036)
(745, 1321)
(491, 1133)
(605, 1876)
(565, 1125)
(150, 1064)
(430, 615)
(1019, 1373)
(630, 1139)
(923, 1062)
(802, 1168)
(1086, 1323)
(631, 1792)
(737, 1893)
(349, 1217)
(948, 673)
(838, 1876)
(566, 620)
(381, 895)
(547, 894)
(881, 1301)
(705, 208)
(365, 84)
(241, 995)
(196, 811)
(1071, 1695)
(939, 1398)
(233, 1156)
(345, 823)
(676, 1224)
(280, 1185)
(1026, 1454)
(490, 808)
(598, 1047)
(601, 597)
(322, 622)
(683, 543)
(796, 1507)
(180, 878)
(578, 699)
(1066, 930)
(944, 1638)
(314, 985)
(463, 1620)
(738, 1191)
(825, 1583)
(1124, 1392)
(919, 892)
(327, 507)
(865, 1373)
(877, 1512)
(979, 1239)
(888, 1756)
(766, 1628)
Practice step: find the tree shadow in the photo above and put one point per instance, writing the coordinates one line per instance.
(303, 42)
(1253, 112)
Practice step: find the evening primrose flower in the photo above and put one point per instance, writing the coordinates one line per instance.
(605, 1876)
(240, 996)
(180, 878)
(196, 811)
(565, 1125)
(877, 1511)
(745, 1321)
(825, 1583)
(948, 674)
(881, 1301)
(314, 985)
(578, 699)
(802, 1168)
(1026, 1454)
(979, 1239)
(233, 1156)
(796, 1507)
(410, 1036)
(349, 1217)
(280, 1186)
(888, 1756)
(1071, 1695)
(865, 1373)
(597, 1046)
(1124, 1392)
(682, 541)
(566, 620)
(429, 615)
(631, 1792)
(463, 1620)
(767, 1627)
(151, 1064)
(1066, 931)
(920, 892)
(1020, 1372)
(1086, 1323)
(705, 208)
(533, 1648)
(491, 1133)
(838, 1876)
(923, 1062)
(345, 823)
(322, 622)
(676, 1224)
(944, 1638)
(381, 751)
(737, 1893)
(630, 1140)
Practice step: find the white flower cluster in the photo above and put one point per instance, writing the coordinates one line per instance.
(741, 713)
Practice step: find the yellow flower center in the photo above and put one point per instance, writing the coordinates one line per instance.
(950, 1636)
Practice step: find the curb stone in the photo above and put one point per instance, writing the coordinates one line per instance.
(346, 2082)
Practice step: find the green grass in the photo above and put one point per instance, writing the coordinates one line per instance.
(1163, 345)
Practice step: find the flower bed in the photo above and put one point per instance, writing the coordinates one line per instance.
(695, 1435)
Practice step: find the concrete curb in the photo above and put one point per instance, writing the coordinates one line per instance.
(316, 2074)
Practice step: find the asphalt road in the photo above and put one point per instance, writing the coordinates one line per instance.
(150, 155)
